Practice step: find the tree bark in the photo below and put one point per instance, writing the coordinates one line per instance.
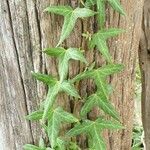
(24, 31)
(144, 56)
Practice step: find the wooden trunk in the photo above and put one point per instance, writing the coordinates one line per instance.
(144, 55)
(24, 31)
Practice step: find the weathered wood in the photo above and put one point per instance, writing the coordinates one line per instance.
(24, 31)
(144, 55)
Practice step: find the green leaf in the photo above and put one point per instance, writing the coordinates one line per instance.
(59, 10)
(41, 143)
(50, 99)
(89, 104)
(108, 124)
(59, 115)
(101, 12)
(83, 12)
(56, 52)
(65, 116)
(90, 3)
(69, 23)
(81, 128)
(106, 106)
(31, 147)
(109, 69)
(47, 79)
(111, 32)
(76, 54)
(60, 144)
(83, 75)
(36, 115)
(71, 53)
(116, 6)
(70, 89)
(70, 17)
(101, 44)
(53, 128)
(97, 140)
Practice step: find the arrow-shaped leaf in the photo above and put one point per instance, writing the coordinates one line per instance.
(71, 53)
(70, 17)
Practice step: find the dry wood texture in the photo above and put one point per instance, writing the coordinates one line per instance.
(144, 55)
(24, 31)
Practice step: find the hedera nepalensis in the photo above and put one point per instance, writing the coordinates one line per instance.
(52, 117)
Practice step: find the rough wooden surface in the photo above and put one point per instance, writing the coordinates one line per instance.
(24, 31)
(144, 54)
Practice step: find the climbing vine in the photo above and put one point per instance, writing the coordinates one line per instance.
(52, 116)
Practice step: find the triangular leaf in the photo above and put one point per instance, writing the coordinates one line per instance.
(47, 79)
(41, 143)
(58, 51)
(116, 6)
(59, 10)
(90, 3)
(70, 89)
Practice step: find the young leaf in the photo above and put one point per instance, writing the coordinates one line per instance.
(51, 96)
(36, 115)
(41, 143)
(59, 10)
(47, 79)
(56, 52)
(32, 147)
(70, 89)
(116, 6)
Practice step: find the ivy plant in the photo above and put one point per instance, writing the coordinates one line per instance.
(52, 116)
